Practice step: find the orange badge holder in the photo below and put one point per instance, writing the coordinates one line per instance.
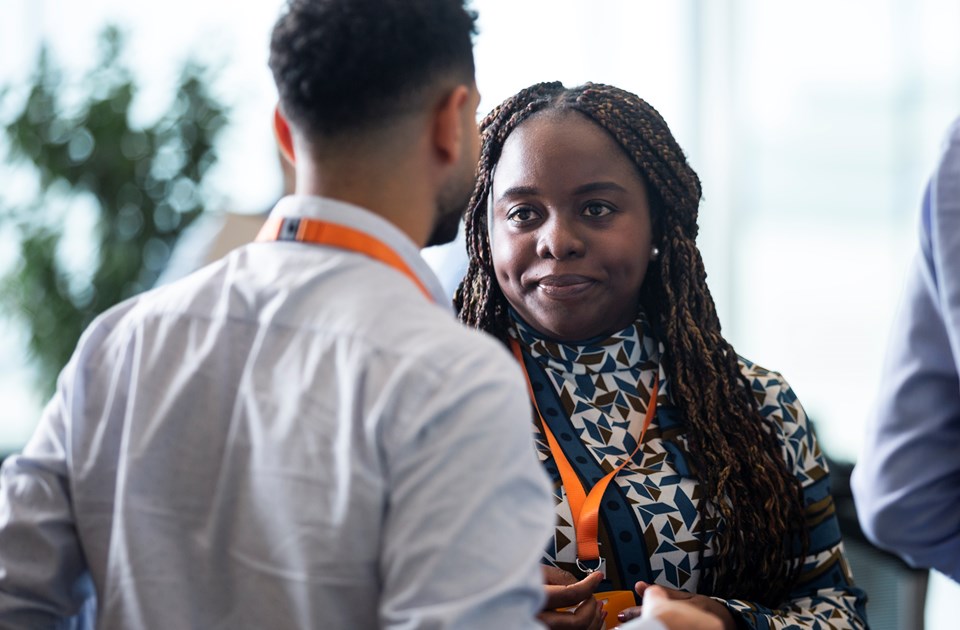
(615, 602)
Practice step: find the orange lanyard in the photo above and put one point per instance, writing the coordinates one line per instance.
(324, 233)
(584, 507)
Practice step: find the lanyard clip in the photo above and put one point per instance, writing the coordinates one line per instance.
(288, 229)
(593, 566)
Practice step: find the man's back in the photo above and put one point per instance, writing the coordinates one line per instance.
(328, 450)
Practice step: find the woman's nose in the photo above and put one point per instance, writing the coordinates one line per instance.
(559, 239)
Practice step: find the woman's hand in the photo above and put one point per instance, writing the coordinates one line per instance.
(682, 609)
(564, 591)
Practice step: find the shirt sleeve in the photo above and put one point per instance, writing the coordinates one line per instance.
(824, 595)
(44, 582)
(469, 508)
(905, 483)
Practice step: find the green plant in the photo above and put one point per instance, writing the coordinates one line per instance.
(145, 185)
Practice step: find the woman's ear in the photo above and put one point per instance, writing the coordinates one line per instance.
(284, 136)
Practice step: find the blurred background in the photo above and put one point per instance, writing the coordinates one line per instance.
(813, 127)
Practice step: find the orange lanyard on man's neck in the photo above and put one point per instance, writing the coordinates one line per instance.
(584, 507)
(324, 233)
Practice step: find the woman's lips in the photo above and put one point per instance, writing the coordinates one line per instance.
(565, 286)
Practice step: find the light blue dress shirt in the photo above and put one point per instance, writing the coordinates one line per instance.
(292, 437)
(907, 479)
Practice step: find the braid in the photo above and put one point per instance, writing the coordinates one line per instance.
(732, 451)
(479, 300)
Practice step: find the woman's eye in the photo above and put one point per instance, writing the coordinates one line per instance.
(521, 215)
(596, 210)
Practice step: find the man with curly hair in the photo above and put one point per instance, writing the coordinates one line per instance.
(300, 435)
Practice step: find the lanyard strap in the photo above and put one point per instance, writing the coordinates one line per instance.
(584, 507)
(324, 233)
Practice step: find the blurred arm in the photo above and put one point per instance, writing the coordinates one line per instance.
(43, 575)
(469, 507)
(907, 480)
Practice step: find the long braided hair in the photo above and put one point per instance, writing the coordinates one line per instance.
(732, 451)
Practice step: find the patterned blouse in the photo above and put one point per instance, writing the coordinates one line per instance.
(594, 397)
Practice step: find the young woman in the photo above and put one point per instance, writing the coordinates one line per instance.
(675, 461)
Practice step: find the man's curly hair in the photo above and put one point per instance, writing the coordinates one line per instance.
(347, 65)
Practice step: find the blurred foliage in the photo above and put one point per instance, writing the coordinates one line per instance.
(147, 185)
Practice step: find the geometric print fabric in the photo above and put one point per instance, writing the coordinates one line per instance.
(595, 394)
(603, 389)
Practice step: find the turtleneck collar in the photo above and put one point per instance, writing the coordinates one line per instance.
(630, 348)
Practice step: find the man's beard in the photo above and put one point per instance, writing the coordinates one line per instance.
(451, 205)
(446, 228)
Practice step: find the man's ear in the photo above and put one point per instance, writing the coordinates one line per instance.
(284, 136)
(448, 127)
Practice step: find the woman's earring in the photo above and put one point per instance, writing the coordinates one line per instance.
(654, 253)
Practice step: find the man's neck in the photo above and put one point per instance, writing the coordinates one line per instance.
(395, 194)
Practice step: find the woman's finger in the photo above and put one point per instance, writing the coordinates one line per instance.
(630, 613)
(587, 616)
(572, 594)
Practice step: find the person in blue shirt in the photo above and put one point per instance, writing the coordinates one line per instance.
(906, 483)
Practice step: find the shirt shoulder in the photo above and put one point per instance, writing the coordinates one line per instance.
(775, 397)
(786, 417)
(295, 295)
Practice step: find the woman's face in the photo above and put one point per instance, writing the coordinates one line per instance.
(570, 232)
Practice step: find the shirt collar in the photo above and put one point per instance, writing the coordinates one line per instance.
(358, 218)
